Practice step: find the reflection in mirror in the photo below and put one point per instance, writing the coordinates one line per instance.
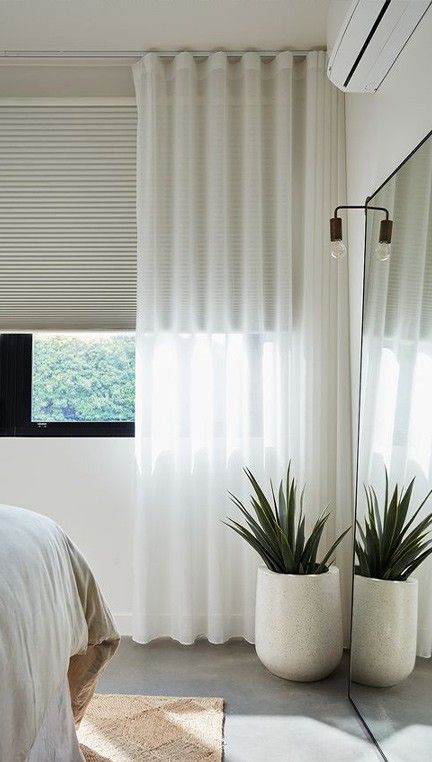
(391, 670)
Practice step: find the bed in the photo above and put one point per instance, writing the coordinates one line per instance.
(56, 635)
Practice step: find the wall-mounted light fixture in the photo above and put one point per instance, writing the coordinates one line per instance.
(383, 247)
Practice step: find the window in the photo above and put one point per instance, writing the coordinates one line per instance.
(54, 384)
(67, 263)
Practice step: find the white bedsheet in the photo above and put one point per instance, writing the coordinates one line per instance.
(57, 740)
(50, 610)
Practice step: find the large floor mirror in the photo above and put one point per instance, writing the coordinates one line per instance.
(391, 668)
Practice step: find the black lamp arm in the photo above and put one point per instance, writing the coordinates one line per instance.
(362, 206)
(386, 225)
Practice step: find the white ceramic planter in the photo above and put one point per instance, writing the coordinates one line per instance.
(298, 623)
(384, 634)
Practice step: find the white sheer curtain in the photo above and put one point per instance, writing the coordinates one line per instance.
(241, 323)
(396, 413)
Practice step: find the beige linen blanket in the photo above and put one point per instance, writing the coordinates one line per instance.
(53, 622)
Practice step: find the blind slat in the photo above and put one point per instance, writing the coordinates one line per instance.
(67, 217)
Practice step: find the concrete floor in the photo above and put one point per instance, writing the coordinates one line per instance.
(400, 717)
(266, 719)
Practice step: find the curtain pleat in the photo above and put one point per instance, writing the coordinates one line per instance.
(242, 354)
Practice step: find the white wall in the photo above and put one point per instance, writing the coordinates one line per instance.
(382, 129)
(86, 486)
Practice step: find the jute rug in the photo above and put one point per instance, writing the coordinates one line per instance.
(121, 728)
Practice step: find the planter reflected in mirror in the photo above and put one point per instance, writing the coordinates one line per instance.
(384, 631)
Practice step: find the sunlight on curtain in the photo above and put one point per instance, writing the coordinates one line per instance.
(242, 324)
(386, 403)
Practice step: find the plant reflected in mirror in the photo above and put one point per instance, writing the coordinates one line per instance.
(391, 546)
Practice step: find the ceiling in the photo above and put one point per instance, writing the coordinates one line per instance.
(162, 24)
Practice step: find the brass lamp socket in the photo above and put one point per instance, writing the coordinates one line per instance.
(385, 234)
(336, 229)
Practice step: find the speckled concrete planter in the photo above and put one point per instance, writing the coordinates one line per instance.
(298, 623)
(384, 635)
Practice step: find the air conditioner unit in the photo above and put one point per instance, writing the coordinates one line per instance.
(371, 37)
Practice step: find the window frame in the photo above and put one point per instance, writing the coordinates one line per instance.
(15, 399)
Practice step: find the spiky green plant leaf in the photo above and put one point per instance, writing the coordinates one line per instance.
(276, 529)
(385, 549)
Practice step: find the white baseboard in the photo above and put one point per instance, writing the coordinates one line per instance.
(123, 621)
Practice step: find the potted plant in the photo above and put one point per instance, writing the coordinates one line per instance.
(390, 547)
(298, 622)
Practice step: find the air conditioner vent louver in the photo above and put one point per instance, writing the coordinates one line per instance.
(372, 35)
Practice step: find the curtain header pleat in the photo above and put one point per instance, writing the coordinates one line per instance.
(217, 179)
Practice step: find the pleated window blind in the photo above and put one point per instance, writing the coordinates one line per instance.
(67, 217)
(399, 292)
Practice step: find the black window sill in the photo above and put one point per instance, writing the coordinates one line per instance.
(72, 430)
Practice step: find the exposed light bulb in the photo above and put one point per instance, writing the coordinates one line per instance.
(337, 249)
(383, 251)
